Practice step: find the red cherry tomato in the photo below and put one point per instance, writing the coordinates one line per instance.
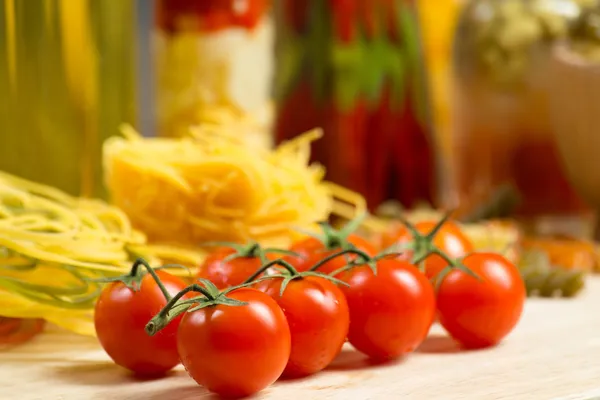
(480, 313)
(450, 239)
(317, 313)
(390, 312)
(120, 317)
(235, 351)
(312, 250)
(14, 331)
(226, 273)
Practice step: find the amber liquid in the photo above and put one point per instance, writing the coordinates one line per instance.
(505, 138)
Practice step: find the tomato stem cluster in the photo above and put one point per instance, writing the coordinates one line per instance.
(134, 278)
(210, 296)
(423, 247)
(334, 239)
(363, 259)
(250, 250)
(290, 273)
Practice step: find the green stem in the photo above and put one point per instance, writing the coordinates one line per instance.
(270, 264)
(399, 248)
(439, 225)
(135, 270)
(169, 312)
(252, 250)
(386, 254)
(454, 264)
(365, 257)
(331, 239)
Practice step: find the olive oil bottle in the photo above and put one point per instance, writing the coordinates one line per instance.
(66, 83)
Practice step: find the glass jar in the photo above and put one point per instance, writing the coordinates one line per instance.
(355, 69)
(503, 132)
(214, 64)
(438, 23)
(67, 83)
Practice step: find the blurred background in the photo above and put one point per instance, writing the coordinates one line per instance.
(487, 108)
(481, 106)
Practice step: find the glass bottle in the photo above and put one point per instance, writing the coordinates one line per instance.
(67, 83)
(355, 68)
(503, 132)
(214, 64)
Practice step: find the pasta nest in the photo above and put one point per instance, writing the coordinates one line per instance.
(53, 247)
(212, 187)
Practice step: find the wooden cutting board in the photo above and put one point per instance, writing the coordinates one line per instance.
(553, 354)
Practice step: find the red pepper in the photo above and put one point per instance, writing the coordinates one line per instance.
(345, 14)
(380, 130)
(390, 11)
(295, 14)
(346, 139)
(351, 142)
(380, 153)
(368, 14)
(413, 161)
(299, 113)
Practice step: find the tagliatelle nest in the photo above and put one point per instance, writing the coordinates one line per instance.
(212, 187)
(52, 247)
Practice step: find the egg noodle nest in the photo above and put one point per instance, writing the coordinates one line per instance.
(211, 187)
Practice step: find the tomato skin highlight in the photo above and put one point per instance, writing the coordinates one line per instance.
(311, 251)
(235, 351)
(225, 274)
(391, 312)
(450, 239)
(481, 313)
(318, 316)
(120, 317)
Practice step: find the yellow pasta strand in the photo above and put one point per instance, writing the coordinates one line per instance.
(210, 186)
(51, 245)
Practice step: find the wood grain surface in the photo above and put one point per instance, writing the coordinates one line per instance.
(553, 354)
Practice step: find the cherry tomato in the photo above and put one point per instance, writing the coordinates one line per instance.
(312, 250)
(391, 311)
(318, 316)
(14, 331)
(480, 313)
(226, 273)
(449, 239)
(235, 351)
(120, 317)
